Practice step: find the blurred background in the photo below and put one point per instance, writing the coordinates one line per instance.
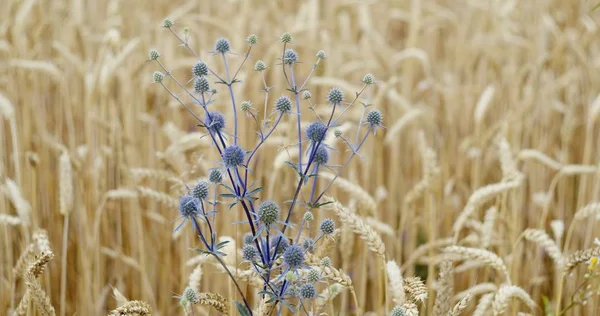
(77, 107)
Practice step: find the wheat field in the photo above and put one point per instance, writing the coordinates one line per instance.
(481, 195)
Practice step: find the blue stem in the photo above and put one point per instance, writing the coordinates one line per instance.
(297, 110)
(229, 83)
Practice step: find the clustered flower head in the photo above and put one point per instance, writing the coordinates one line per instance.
(306, 95)
(268, 212)
(190, 295)
(246, 106)
(167, 23)
(200, 69)
(374, 118)
(307, 291)
(325, 261)
(368, 79)
(290, 57)
(283, 104)
(308, 244)
(249, 252)
(252, 39)
(215, 121)
(285, 37)
(293, 257)
(200, 190)
(260, 66)
(321, 54)
(188, 206)
(233, 156)
(315, 132)
(337, 133)
(158, 77)
(201, 85)
(248, 238)
(153, 54)
(321, 155)
(335, 96)
(308, 216)
(398, 311)
(222, 45)
(327, 226)
(313, 276)
(215, 176)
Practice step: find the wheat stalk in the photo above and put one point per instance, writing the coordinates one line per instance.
(65, 186)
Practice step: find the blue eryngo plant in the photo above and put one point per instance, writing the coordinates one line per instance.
(273, 246)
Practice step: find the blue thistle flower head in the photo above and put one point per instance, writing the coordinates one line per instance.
(201, 85)
(335, 96)
(189, 206)
(315, 132)
(260, 66)
(327, 226)
(222, 45)
(153, 54)
(283, 104)
(249, 253)
(200, 190)
(321, 155)
(285, 37)
(252, 39)
(215, 122)
(268, 212)
(290, 57)
(374, 118)
(307, 291)
(313, 276)
(308, 244)
(398, 311)
(283, 244)
(293, 257)
(215, 176)
(200, 69)
(190, 295)
(233, 156)
(248, 238)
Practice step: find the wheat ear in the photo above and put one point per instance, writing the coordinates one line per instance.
(396, 284)
(445, 288)
(488, 257)
(505, 293)
(359, 227)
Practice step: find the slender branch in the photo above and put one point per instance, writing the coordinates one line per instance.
(234, 281)
(186, 45)
(229, 83)
(354, 152)
(243, 61)
(298, 114)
